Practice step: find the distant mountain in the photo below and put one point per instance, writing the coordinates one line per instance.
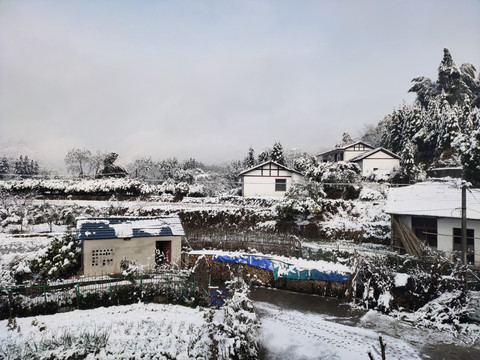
(13, 149)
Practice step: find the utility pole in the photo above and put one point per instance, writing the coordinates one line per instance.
(464, 224)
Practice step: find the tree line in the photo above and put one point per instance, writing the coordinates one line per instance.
(22, 167)
(441, 127)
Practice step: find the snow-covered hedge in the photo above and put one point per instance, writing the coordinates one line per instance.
(105, 186)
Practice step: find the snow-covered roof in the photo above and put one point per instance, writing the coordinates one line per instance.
(344, 147)
(432, 199)
(374, 151)
(128, 227)
(283, 167)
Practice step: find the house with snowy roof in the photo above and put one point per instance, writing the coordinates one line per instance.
(146, 242)
(268, 179)
(431, 212)
(369, 159)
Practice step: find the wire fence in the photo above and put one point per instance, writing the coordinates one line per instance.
(89, 293)
(274, 243)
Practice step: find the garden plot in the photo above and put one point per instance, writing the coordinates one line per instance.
(119, 332)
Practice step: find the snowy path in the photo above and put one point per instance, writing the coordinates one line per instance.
(291, 334)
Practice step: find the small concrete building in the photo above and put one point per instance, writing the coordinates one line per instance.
(368, 158)
(431, 212)
(146, 242)
(269, 179)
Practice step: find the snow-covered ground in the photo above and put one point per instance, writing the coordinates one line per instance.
(172, 331)
(133, 332)
(291, 334)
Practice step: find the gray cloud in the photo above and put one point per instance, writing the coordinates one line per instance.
(209, 80)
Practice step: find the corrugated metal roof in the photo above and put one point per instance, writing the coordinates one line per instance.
(128, 227)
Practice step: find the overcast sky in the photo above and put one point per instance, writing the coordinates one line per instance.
(209, 79)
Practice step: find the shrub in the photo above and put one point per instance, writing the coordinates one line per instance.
(61, 260)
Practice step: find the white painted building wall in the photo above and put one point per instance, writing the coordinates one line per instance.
(254, 184)
(445, 235)
(445, 228)
(262, 180)
(370, 164)
(140, 250)
(351, 154)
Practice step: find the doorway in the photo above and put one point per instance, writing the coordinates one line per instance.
(163, 251)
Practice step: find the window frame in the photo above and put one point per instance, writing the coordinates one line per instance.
(280, 185)
(425, 230)
(457, 243)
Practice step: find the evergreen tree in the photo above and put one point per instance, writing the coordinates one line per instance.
(264, 156)
(425, 89)
(4, 168)
(277, 154)
(450, 79)
(346, 140)
(442, 121)
(468, 146)
(249, 160)
(409, 169)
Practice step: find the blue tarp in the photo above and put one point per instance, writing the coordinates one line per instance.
(281, 270)
(246, 259)
(285, 271)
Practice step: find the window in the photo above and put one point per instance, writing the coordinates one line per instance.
(280, 184)
(102, 257)
(425, 229)
(457, 243)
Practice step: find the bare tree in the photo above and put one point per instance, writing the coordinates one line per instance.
(77, 161)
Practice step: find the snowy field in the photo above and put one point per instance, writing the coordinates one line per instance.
(133, 332)
(171, 331)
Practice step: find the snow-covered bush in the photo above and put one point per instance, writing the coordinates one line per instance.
(60, 261)
(446, 312)
(367, 194)
(181, 189)
(235, 329)
(335, 172)
(378, 280)
(301, 200)
(64, 345)
(428, 278)
(379, 176)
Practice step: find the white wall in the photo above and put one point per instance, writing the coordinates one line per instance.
(368, 165)
(350, 154)
(261, 181)
(445, 235)
(264, 186)
(140, 250)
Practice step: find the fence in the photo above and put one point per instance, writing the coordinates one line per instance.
(279, 244)
(96, 292)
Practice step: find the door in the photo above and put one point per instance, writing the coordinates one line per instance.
(163, 250)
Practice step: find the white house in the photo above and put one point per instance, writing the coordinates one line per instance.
(377, 159)
(368, 158)
(432, 211)
(268, 179)
(146, 242)
(344, 153)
